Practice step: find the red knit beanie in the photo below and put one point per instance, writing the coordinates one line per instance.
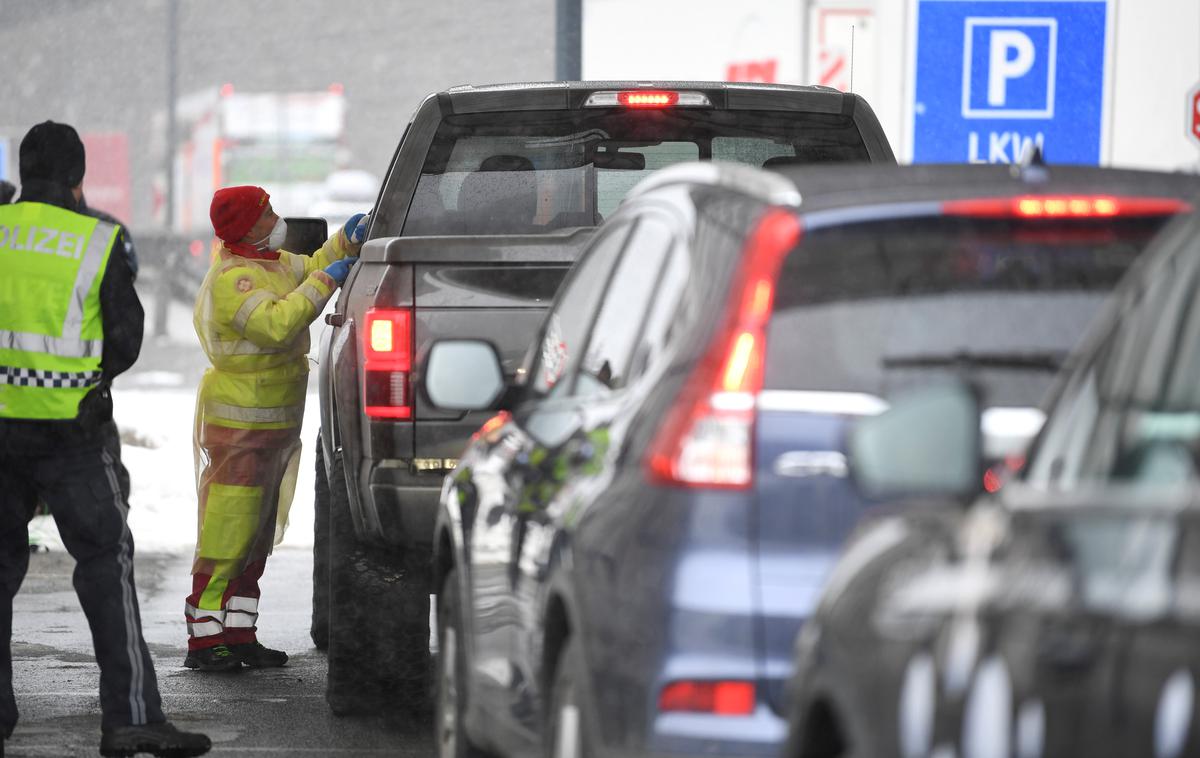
(235, 210)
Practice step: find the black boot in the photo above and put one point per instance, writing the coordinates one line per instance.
(217, 658)
(157, 739)
(254, 655)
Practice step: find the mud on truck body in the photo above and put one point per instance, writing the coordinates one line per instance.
(492, 194)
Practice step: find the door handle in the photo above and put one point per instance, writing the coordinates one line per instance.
(801, 464)
(335, 319)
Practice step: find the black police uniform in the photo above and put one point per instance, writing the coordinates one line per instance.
(74, 467)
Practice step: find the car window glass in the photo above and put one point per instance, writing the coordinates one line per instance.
(612, 184)
(1143, 336)
(606, 364)
(567, 325)
(1182, 378)
(1065, 437)
(884, 306)
(822, 148)
(1126, 416)
(534, 172)
(660, 328)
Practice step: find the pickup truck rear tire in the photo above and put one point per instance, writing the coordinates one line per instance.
(320, 589)
(378, 619)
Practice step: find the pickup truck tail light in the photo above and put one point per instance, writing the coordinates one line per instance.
(652, 99)
(387, 363)
(707, 439)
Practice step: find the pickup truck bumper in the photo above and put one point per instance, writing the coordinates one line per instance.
(405, 502)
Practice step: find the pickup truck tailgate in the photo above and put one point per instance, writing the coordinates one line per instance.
(496, 289)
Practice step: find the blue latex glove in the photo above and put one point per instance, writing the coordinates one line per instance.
(356, 228)
(339, 270)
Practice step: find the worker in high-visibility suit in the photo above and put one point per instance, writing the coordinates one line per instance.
(252, 316)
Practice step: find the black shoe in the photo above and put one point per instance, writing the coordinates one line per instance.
(218, 658)
(157, 739)
(254, 655)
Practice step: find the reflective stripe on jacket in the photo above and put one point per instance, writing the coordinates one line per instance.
(252, 317)
(51, 331)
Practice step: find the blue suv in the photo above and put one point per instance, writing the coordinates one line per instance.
(626, 551)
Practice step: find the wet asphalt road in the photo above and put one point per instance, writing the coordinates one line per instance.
(278, 712)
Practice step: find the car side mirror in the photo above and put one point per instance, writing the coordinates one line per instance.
(305, 235)
(463, 375)
(927, 444)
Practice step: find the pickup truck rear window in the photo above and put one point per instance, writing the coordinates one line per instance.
(538, 171)
(886, 306)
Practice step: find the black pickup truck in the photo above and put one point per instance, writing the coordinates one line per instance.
(492, 194)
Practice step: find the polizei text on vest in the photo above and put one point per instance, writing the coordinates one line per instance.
(37, 239)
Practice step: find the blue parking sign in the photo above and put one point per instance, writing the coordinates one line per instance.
(993, 77)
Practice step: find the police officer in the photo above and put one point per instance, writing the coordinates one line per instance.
(70, 321)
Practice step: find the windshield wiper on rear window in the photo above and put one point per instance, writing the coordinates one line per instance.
(1037, 361)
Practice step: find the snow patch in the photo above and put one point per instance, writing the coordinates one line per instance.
(156, 431)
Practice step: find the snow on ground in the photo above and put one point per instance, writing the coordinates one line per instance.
(156, 428)
(156, 447)
(153, 405)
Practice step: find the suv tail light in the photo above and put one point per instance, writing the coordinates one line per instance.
(723, 698)
(1065, 207)
(707, 439)
(387, 362)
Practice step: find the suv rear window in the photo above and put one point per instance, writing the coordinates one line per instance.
(538, 171)
(884, 306)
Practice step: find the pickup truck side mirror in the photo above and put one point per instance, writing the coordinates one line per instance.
(463, 375)
(927, 444)
(305, 235)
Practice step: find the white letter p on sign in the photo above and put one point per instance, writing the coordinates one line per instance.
(1002, 68)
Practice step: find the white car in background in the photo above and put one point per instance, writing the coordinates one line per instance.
(346, 192)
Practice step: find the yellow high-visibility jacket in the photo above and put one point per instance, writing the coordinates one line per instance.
(252, 317)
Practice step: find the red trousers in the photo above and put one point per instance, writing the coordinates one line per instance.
(239, 494)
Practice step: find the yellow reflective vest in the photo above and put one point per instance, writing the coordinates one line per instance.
(51, 332)
(252, 317)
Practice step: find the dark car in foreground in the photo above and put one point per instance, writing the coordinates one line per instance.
(1057, 617)
(626, 552)
(491, 195)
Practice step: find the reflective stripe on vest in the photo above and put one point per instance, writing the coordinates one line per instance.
(41, 343)
(252, 301)
(28, 377)
(51, 334)
(204, 628)
(196, 614)
(242, 603)
(298, 267)
(313, 295)
(240, 620)
(242, 347)
(284, 415)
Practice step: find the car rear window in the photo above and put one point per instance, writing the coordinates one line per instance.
(538, 171)
(883, 306)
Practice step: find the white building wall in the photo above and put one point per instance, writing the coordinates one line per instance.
(1157, 61)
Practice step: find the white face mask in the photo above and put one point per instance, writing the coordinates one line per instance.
(274, 240)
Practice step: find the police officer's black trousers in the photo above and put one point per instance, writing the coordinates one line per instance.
(87, 491)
